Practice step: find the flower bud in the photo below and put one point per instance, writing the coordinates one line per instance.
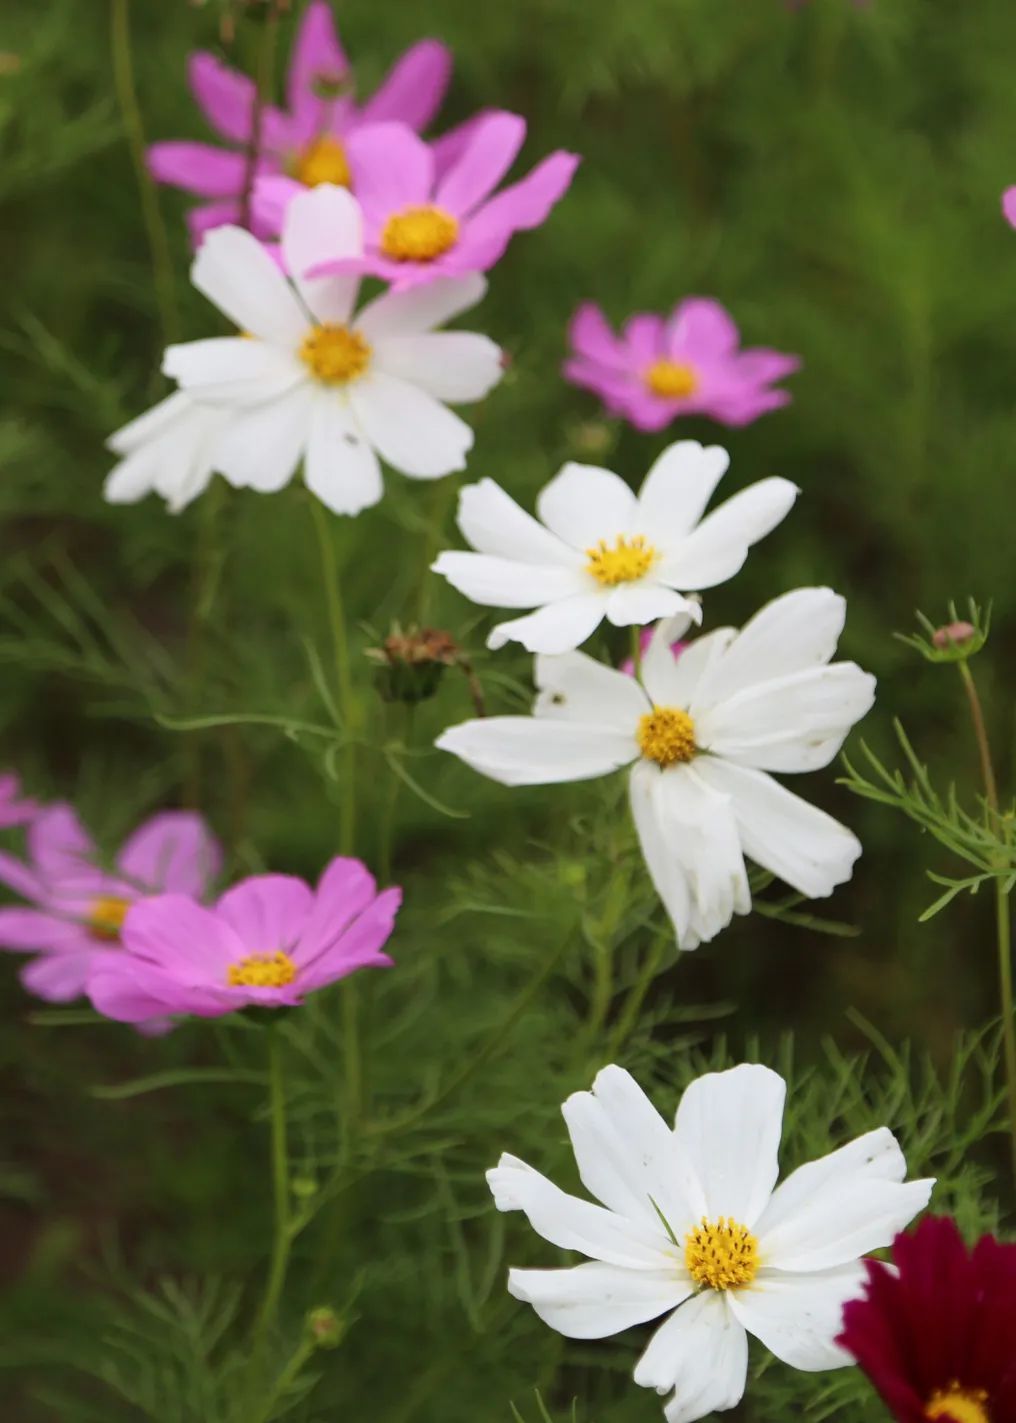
(956, 634)
(325, 1327)
(410, 665)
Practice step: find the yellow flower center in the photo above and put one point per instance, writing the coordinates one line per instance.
(629, 560)
(106, 915)
(323, 161)
(419, 234)
(262, 971)
(673, 380)
(959, 1405)
(666, 735)
(721, 1254)
(335, 354)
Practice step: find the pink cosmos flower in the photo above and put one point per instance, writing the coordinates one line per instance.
(423, 220)
(306, 140)
(14, 809)
(689, 363)
(79, 906)
(1009, 206)
(268, 942)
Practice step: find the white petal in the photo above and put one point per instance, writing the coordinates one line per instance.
(640, 603)
(583, 504)
(527, 751)
(493, 523)
(797, 1317)
(457, 366)
(673, 682)
(692, 849)
(593, 1301)
(502, 583)
(715, 551)
(410, 430)
(577, 688)
(235, 272)
(420, 309)
(702, 1352)
(571, 1223)
(790, 634)
(160, 419)
(728, 1129)
(261, 448)
(836, 1209)
(796, 841)
(558, 627)
(340, 466)
(170, 450)
(795, 723)
(322, 225)
(626, 1154)
(231, 370)
(677, 489)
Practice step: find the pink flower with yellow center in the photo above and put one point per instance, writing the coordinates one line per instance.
(306, 140)
(690, 363)
(268, 942)
(78, 903)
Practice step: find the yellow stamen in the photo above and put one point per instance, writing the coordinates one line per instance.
(262, 971)
(323, 161)
(106, 915)
(335, 354)
(419, 234)
(629, 560)
(672, 380)
(666, 735)
(959, 1405)
(721, 1254)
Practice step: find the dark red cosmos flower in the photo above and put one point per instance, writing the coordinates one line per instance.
(937, 1337)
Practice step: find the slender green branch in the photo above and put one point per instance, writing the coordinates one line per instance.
(636, 650)
(282, 1236)
(343, 671)
(130, 111)
(262, 98)
(284, 1382)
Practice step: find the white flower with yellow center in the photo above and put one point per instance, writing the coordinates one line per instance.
(311, 379)
(599, 551)
(691, 1226)
(703, 732)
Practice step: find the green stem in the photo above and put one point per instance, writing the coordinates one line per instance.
(1003, 918)
(282, 1236)
(441, 501)
(343, 672)
(286, 1378)
(636, 650)
(637, 994)
(262, 97)
(130, 112)
(387, 832)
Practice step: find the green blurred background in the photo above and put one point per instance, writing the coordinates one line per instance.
(832, 174)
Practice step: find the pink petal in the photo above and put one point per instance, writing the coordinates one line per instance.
(701, 327)
(613, 389)
(318, 63)
(198, 168)
(1009, 206)
(272, 196)
(358, 947)
(591, 337)
(644, 337)
(267, 912)
(391, 169)
(226, 97)
(527, 203)
(345, 889)
(19, 877)
(172, 851)
(13, 809)
(60, 848)
(759, 366)
(131, 990)
(449, 148)
(211, 215)
(412, 90)
(742, 411)
(490, 152)
(58, 977)
(33, 929)
(194, 945)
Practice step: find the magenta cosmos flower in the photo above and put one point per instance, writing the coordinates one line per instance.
(15, 809)
(689, 363)
(79, 905)
(1009, 206)
(937, 1333)
(268, 942)
(307, 140)
(423, 220)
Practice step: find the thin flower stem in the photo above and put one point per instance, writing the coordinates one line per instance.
(343, 672)
(387, 832)
(441, 501)
(284, 1382)
(636, 997)
(282, 1235)
(1003, 918)
(130, 112)
(262, 97)
(636, 650)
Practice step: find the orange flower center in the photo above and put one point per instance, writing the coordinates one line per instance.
(323, 161)
(334, 354)
(958, 1405)
(106, 915)
(262, 971)
(672, 380)
(419, 234)
(666, 735)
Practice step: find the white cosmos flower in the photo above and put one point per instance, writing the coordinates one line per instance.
(601, 552)
(310, 379)
(170, 450)
(691, 1226)
(703, 732)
